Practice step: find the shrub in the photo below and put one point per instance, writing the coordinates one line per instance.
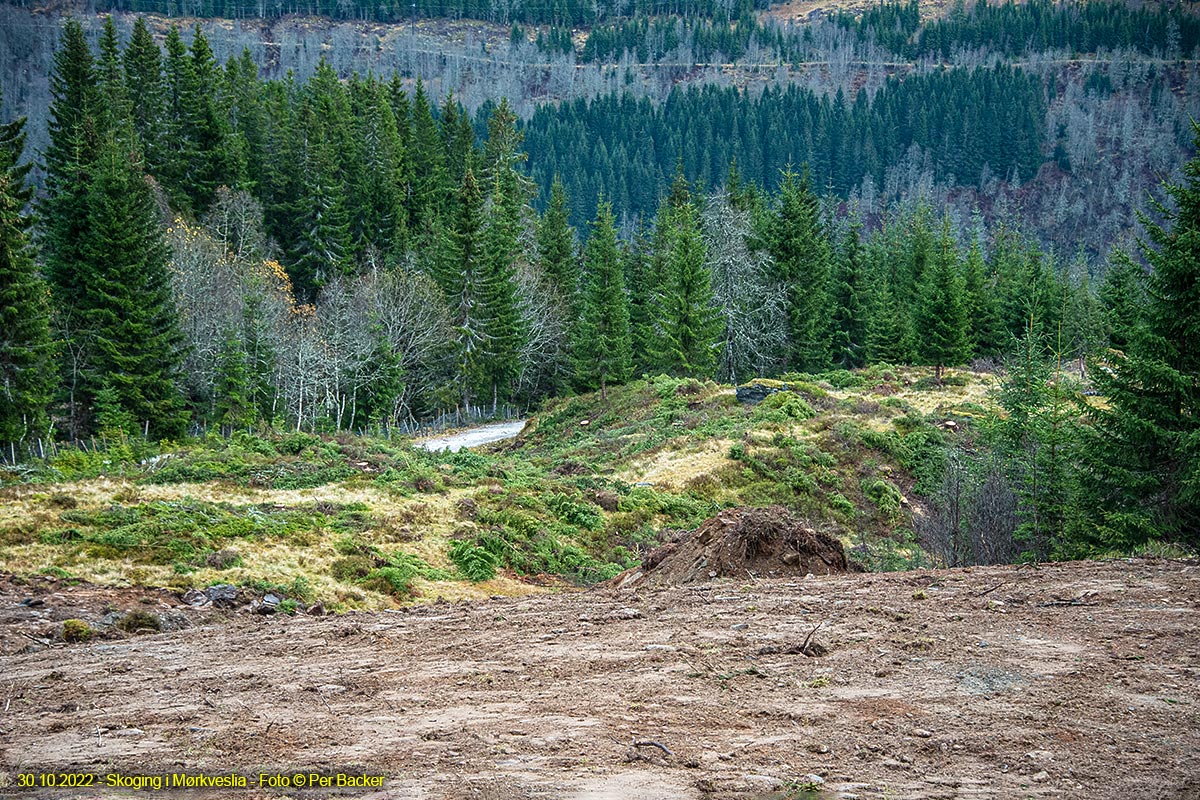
(76, 630)
(394, 581)
(474, 562)
(884, 494)
(139, 620)
(783, 407)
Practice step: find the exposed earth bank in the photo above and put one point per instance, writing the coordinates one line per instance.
(1061, 681)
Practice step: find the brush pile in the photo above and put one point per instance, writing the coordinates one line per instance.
(741, 543)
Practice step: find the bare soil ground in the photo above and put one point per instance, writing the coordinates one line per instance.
(1061, 681)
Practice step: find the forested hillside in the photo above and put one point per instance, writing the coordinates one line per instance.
(1082, 79)
(203, 246)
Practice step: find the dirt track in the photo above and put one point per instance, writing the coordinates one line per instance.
(1064, 681)
(473, 437)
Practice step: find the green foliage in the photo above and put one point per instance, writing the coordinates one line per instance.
(688, 323)
(139, 621)
(76, 630)
(918, 446)
(394, 581)
(1037, 437)
(941, 315)
(26, 369)
(886, 497)
(783, 408)
(474, 562)
(898, 554)
(127, 315)
(797, 241)
(186, 531)
(602, 339)
(1141, 471)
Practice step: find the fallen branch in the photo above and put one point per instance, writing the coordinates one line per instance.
(804, 648)
(651, 743)
(989, 591)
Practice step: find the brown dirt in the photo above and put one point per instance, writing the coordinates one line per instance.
(741, 543)
(1063, 681)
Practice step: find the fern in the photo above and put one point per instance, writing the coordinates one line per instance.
(474, 562)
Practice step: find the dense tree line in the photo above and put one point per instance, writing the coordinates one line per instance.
(1017, 29)
(536, 12)
(627, 147)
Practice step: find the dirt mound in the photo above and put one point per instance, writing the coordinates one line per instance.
(739, 543)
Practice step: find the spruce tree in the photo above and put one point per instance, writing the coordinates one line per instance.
(430, 179)
(26, 373)
(232, 404)
(1036, 437)
(115, 107)
(460, 273)
(67, 164)
(603, 349)
(129, 326)
(1142, 465)
(798, 243)
(885, 325)
(1123, 300)
(374, 173)
(642, 285)
(556, 244)
(321, 246)
(689, 321)
(986, 335)
(849, 311)
(214, 161)
(501, 319)
(143, 81)
(178, 151)
(941, 318)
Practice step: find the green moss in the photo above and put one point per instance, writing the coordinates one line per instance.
(76, 630)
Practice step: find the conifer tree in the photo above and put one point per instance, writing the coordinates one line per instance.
(67, 164)
(178, 151)
(941, 318)
(603, 350)
(460, 273)
(214, 160)
(232, 407)
(143, 81)
(885, 325)
(321, 247)
(689, 321)
(849, 312)
(642, 287)
(374, 172)
(115, 107)
(985, 336)
(26, 374)
(1036, 438)
(797, 241)
(556, 244)
(1123, 300)
(430, 181)
(1142, 464)
(501, 319)
(242, 101)
(132, 340)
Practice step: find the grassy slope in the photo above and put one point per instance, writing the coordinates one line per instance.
(584, 492)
